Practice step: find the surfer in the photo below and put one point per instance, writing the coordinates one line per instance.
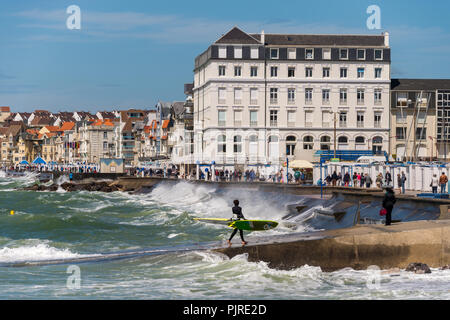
(238, 212)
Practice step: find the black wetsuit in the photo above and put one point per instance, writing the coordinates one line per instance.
(238, 212)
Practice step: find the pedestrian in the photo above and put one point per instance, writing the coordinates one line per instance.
(403, 180)
(358, 177)
(388, 178)
(355, 179)
(399, 182)
(379, 180)
(388, 203)
(334, 178)
(443, 182)
(434, 183)
(368, 181)
(346, 179)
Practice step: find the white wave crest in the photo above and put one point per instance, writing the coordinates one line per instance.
(39, 252)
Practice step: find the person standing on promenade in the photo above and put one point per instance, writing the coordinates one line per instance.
(379, 180)
(403, 180)
(368, 181)
(388, 178)
(443, 182)
(334, 178)
(388, 203)
(346, 179)
(434, 183)
(355, 180)
(399, 182)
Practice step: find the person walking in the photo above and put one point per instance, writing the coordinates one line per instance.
(238, 212)
(443, 182)
(434, 183)
(355, 179)
(334, 178)
(368, 181)
(388, 203)
(399, 182)
(379, 180)
(346, 179)
(388, 178)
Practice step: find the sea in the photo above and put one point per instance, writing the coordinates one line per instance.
(93, 245)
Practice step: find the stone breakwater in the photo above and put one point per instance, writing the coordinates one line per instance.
(102, 186)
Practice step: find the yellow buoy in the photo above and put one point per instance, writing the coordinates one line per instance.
(12, 212)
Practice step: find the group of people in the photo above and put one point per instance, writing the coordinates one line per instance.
(436, 182)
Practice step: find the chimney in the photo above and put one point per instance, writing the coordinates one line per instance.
(263, 38)
(386, 38)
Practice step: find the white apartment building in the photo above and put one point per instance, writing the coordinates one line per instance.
(262, 98)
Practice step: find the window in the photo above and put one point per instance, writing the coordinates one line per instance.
(343, 119)
(105, 135)
(222, 116)
(377, 145)
(325, 95)
(273, 95)
(377, 96)
(222, 95)
(291, 95)
(326, 72)
(237, 118)
(222, 144)
(326, 54)
(273, 118)
(254, 53)
(238, 52)
(378, 54)
(343, 73)
(105, 145)
(292, 53)
(360, 140)
(291, 118)
(253, 118)
(361, 54)
(308, 95)
(343, 54)
(253, 96)
(291, 72)
(253, 71)
(291, 141)
(221, 71)
(400, 133)
(377, 119)
(308, 72)
(325, 142)
(360, 119)
(273, 53)
(237, 71)
(378, 73)
(421, 133)
(308, 143)
(361, 72)
(237, 95)
(343, 96)
(222, 52)
(237, 145)
(326, 119)
(309, 54)
(401, 116)
(274, 71)
(308, 119)
(360, 95)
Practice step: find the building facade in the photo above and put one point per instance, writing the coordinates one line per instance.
(261, 98)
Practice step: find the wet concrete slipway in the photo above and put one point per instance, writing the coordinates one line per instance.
(142, 242)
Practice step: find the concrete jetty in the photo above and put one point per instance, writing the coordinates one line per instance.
(358, 247)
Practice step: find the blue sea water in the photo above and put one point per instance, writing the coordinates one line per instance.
(166, 251)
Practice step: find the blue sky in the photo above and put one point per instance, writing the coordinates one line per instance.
(134, 53)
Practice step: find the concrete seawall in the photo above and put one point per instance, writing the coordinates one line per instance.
(359, 247)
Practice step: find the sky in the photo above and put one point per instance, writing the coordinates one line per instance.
(132, 54)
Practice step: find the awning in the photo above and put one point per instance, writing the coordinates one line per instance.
(24, 162)
(39, 160)
(300, 164)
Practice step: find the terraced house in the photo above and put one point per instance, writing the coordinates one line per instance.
(262, 98)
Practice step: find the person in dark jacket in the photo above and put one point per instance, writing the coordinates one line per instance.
(388, 203)
(238, 212)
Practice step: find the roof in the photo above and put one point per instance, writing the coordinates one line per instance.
(236, 35)
(52, 128)
(14, 130)
(419, 84)
(178, 107)
(41, 121)
(3, 130)
(345, 40)
(165, 124)
(67, 126)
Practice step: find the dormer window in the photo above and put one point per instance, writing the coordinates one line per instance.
(222, 52)
(292, 53)
(361, 54)
(378, 54)
(273, 53)
(343, 54)
(309, 54)
(238, 52)
(254, 53)
(326, 54)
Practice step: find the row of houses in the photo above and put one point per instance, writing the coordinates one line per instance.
(139, 137)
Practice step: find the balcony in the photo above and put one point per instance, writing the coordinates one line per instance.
(342, 124)
(360, 124)
(377, 124)
(273, 100)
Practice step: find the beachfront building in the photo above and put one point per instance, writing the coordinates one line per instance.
(5, 112)
(419, 119)
(96, 139)
(262, 98)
